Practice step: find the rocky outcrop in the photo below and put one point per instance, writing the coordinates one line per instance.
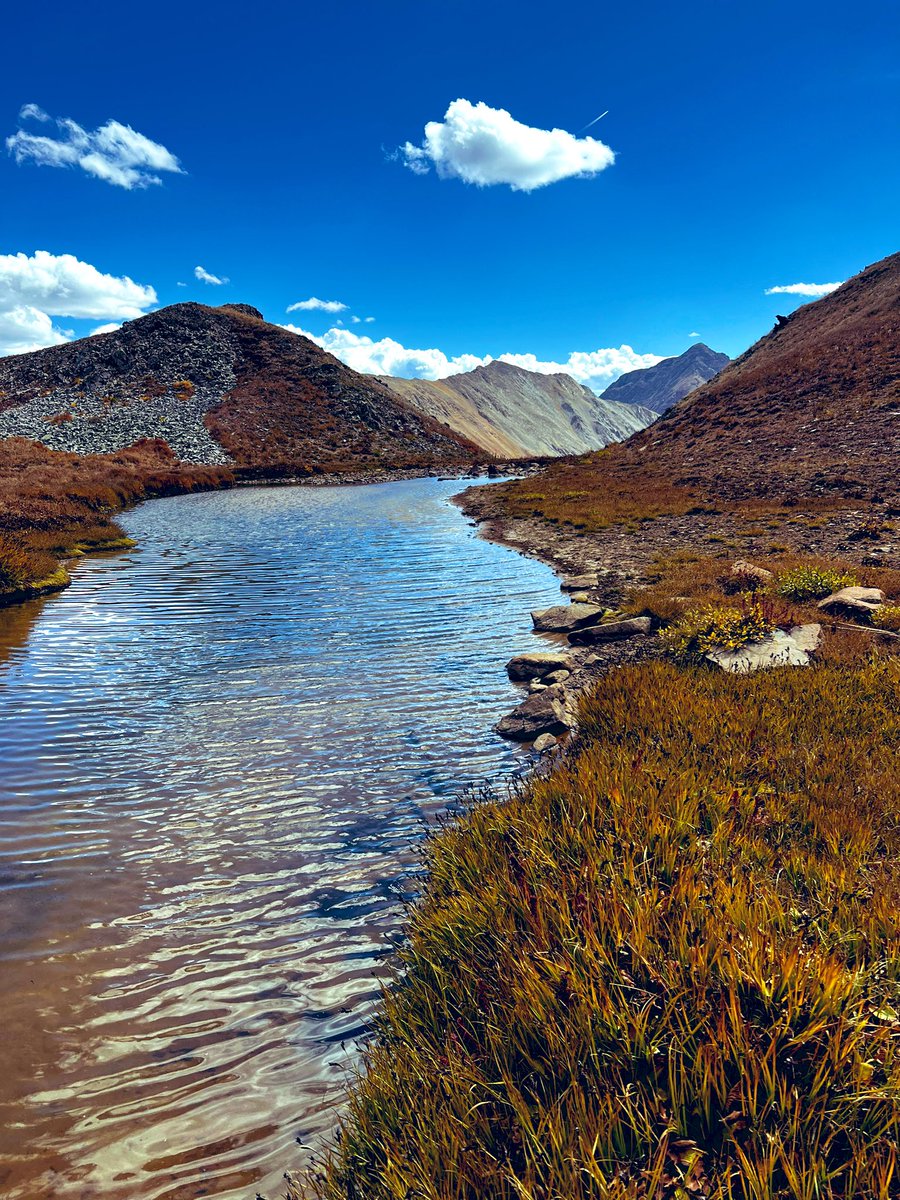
(853, 601)
(218, 385)
(535, 666)
(780, 649)
(659, 387)
(563, 618)
(610, 631)
(543, 712)
(516, 413)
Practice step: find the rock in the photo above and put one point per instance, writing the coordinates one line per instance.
(580, 597)
(537, 686)
(545, 742)
(612, 631)
(779, 650)
(853, 600)
(579, 583)
(807, 637)
(562, 618)
(747, 573)
(557, 676)
(541, 713)
(535, 666)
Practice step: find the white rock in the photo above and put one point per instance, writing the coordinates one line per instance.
(778, 650)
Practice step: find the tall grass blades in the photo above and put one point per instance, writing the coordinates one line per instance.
(669, 969)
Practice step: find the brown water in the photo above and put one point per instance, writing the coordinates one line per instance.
(217, 754)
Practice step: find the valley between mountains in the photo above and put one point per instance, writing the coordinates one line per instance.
(665, 962)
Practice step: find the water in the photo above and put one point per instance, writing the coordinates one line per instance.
(217, 753)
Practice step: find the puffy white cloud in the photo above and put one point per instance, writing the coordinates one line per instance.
(314, 304)
(205, 277)
(804, 289)
(485, 146)
(24, 328)
(368, 320)
(695, 334)
(110, 327)
(34, 288)
(63, 285)
(595, 368)
(114, 152)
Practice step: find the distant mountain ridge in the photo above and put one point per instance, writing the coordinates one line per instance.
(811, 410)
(218, 385)
(661, 386)
(514, 412)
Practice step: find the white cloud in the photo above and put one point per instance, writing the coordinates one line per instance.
(369, 320)
(205, 277)
(314, 304)
(485, 146)
(694, 334)
(33, 112)
(34, 288)
(24, 328)
(111, 327)
(804, 289)
(355, 320)
(114, 152)
(595, 368)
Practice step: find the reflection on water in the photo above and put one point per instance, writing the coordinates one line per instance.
(217, 753)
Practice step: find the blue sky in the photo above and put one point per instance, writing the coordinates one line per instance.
(755, 145)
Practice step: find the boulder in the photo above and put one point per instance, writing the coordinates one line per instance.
(807, 637)
(860, 600)
(747, 574)
(778, 650)
(579, 597)
(612, 631)
(535, 666)
(557, 676)
(579, 583)
(563, 618)
(545, 742)
(544, 712)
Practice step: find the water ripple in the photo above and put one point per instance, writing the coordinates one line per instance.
(217, 755)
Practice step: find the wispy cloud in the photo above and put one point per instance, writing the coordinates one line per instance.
(485, 146)
(206, 277)
(114, 152)
(314, 304)
(35, 288)
(804, 289)
(695, 334)
(595, 368)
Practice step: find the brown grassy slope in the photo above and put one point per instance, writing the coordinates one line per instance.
(296, 409)
(667, 969)
(810, 415)
(53, 503)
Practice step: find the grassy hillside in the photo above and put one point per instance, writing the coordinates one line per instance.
(668, 970)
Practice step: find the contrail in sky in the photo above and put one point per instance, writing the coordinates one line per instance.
(594, 122)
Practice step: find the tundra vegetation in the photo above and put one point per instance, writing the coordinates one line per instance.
(55, 505)
(669, 968)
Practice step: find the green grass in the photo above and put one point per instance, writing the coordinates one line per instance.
(670, 969)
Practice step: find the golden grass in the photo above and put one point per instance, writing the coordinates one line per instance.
(55, 504)
(670, 969)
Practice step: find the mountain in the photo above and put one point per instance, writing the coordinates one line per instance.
(669, 381)
(514, 412)
(218, 385)
(813, 408)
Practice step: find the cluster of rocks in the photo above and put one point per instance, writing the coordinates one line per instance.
(555, 679)
(156, 378)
